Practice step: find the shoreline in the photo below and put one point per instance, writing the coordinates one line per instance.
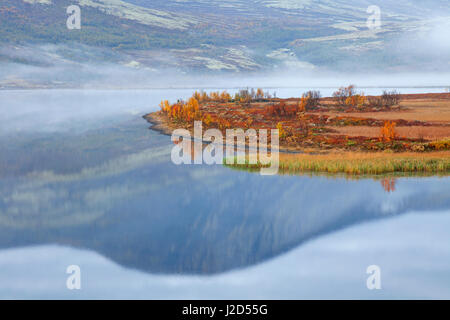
(355, 164)
(339, 162)
(403, 133)
(162, 125)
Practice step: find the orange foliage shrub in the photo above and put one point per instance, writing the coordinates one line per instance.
(204, 97)
(225, 96)
(388, 132)
(197, 95)
(215, 96)
(223, 124)
(310, 100)
(165, 106)
(281, 131)
(281, 109)
(207, 120)
(259, 93)
(303, 104)
(248, 123)
(182, 111)
(440, 145)
(357, 100)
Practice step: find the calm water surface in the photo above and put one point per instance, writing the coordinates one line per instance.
(83, 181)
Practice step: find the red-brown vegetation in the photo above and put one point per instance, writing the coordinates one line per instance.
(348, 121)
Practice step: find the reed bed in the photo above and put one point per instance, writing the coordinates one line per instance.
(362, 163)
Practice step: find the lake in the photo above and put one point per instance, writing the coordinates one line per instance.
(83, 181)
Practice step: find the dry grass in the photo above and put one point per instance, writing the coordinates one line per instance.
(425, 110)
(368, 163)
(364, 155)
(353, 163)
(414, 132)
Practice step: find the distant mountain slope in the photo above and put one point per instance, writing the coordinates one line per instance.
(227, 35)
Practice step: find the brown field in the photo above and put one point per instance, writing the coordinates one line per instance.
(414, 132)
(428, 110)
(433, 111)
(362, 156)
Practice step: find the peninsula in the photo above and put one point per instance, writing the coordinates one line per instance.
(346, 133)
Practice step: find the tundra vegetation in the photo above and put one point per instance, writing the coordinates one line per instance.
(349, 132)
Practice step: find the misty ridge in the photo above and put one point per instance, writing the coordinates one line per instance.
(201, 44)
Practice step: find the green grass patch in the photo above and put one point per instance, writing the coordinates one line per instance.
(365, 166)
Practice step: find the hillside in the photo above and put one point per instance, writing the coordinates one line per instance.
(227, 36)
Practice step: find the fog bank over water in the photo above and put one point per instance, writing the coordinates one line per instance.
(85, 76)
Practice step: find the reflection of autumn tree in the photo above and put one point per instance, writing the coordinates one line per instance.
(388, 184)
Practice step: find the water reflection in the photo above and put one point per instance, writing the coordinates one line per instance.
(388, 184)
(145, 213)
(112, 189)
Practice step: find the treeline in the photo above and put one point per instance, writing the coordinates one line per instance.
(347, 96)
(190, 111)
(308, 101)
(182, 111)
(242, 96)
(386, 100)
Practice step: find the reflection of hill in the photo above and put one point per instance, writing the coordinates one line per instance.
(160, 218)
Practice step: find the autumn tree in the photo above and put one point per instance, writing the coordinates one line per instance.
(176, 112)
(357, 100)
(197, 95)
(259, 93)
(204, 96)
(192, 104)
(301, 105)
(165, 106)
(248, 123)
(182, 111)
(245, 96)
(374, 102)
(281, 131)
(390, 98)
(191, 110)
(215, 96)
(225, 96)
(343, 93)
(207, 120)
(388, 132)
(309, 100)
